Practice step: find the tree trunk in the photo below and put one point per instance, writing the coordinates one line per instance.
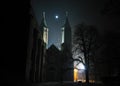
(87, 73)
(86, 68)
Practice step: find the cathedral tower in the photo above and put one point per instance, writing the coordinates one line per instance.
(66, 49)
(44, 30)
(44, 33)
(66, 35)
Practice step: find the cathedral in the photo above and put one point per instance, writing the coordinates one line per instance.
(48, 64)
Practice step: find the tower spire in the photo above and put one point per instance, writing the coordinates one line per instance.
(66, 13)
(67, 20)
(44, 29)
(44, 15)
(66, 33)
(43, 22)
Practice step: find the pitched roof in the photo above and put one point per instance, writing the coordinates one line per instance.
(53, 48)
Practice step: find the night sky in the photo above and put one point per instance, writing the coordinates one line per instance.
(87, 11)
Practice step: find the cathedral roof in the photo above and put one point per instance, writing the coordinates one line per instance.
(53, 48)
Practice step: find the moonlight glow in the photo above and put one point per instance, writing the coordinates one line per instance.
(56, 16)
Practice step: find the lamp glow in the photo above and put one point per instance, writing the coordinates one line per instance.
(81, 66)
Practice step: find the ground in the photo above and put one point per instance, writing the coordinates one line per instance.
(61, 84)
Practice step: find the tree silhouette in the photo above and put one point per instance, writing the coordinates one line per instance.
(85, 40)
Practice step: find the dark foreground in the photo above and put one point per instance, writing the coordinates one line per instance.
(68, 84)
(110, 83)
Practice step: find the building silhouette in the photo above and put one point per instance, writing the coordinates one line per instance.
(52, 64)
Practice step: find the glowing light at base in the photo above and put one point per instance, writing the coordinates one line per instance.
(81, 66)
(75, 75)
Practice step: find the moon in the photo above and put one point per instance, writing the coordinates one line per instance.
(56, 16)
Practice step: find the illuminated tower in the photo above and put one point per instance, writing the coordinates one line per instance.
(44, 30)
(66, 51)
(66, 35)
(44, 34)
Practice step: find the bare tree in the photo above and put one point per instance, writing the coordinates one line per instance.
(85, 40)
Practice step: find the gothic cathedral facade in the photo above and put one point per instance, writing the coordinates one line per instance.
(48, 64)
